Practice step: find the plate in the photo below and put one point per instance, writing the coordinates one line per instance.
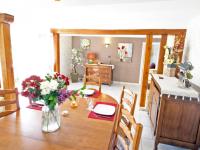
(88, 92)
(104, 109)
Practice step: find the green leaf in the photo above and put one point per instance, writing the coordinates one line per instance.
(84, 87)
(52, 105)
(189, 75)
(51, 98)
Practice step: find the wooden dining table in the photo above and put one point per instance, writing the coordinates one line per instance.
(22, 130)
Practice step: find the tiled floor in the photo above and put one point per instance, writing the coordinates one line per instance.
(147, 141)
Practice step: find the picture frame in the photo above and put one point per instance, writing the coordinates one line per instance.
(125, 52)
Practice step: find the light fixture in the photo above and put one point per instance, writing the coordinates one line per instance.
(91, 56)
(107, 42)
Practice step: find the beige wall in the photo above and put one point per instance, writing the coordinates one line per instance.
(124, 71)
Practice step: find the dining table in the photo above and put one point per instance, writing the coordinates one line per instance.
(22, 130)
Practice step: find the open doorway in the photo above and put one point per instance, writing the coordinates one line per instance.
(148, 33)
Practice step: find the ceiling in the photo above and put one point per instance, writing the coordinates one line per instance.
(102, 2)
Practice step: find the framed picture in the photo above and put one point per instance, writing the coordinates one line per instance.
(85, 44)
(125, 51)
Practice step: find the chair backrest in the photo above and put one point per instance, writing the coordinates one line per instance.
(93, 80)
(6, 103)
(131, 137)
(128, 99)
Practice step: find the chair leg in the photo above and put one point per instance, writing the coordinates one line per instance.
(195, 147)
(156, 145)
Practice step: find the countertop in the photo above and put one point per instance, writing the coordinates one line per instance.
(113, 66)
(170, 85)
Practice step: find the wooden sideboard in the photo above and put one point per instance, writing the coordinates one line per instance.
(101, 70)
(175, 118)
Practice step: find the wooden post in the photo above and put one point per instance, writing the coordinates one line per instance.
(163, 42)
(56, 39)
(179, 44)
(145, 75)
(6, 51)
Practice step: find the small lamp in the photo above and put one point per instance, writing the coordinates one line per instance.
(107, 42)
(91, 56)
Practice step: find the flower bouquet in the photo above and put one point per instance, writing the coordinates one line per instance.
(52, 90)
(170, 61)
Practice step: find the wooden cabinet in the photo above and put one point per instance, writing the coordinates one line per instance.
(154, 100)
(103, 71)
(174, 118)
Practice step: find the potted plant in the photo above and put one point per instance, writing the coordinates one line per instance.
(170, 61)
(185, 74)
(76, 61)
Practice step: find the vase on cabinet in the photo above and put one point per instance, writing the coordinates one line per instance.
(169, 70)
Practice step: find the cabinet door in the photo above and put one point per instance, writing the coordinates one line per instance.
(150, 96)
(154, 110)
(180, 120)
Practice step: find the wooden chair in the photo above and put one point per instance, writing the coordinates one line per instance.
(7, 103)
(126, 138)
(93, 80)
(128, 101)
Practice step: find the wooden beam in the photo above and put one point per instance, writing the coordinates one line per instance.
(179, 42)
(163, 42)
(6, 18)
(56, 39)
(6, 52)
(145, 75)
(119, 32)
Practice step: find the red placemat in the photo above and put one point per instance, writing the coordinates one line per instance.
(96, 93)
(93, 115)
(35, 106)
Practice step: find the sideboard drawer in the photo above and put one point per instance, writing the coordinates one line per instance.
(104, 72)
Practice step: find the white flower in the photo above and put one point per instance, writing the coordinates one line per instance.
(47, 86)
(53, 85)
(44, 88)
(45, 91)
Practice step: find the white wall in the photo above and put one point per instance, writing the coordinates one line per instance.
(33, 20)
(65, 55)
(192, 49)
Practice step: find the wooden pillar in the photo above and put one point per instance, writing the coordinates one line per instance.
(56, 39)
(179, 44)
(145, 75)
(6, 51)
(163, 42)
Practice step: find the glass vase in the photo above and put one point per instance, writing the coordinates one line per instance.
(50, 119)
